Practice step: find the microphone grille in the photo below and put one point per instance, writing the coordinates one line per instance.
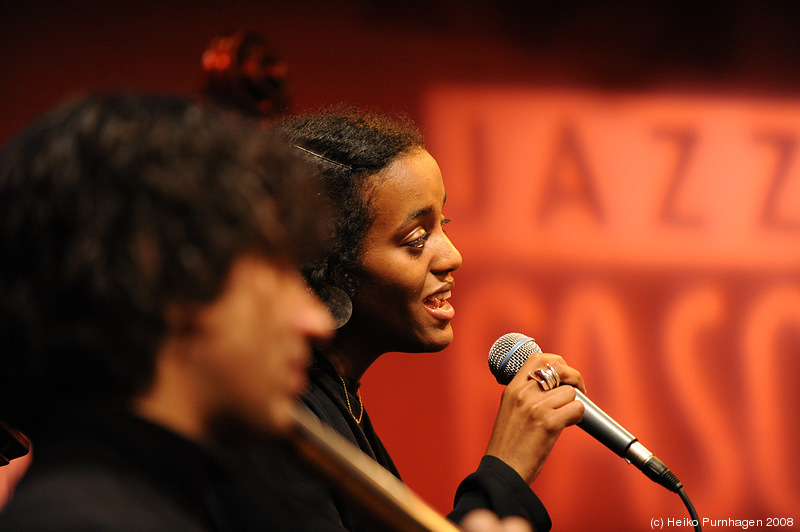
(508, 353)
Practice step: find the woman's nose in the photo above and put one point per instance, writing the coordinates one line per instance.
(449, 258)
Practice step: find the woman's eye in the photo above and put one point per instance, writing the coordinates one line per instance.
(420, 241)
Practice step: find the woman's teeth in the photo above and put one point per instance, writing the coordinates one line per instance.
(437, 301)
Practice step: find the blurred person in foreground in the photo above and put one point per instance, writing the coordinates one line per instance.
(153, 320)
(151, 309)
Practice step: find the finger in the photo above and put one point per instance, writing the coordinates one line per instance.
(479, 521)
(485, 521)
(566, 373)
(566, 409)
(529, 365)
(558, 406)
(538, 360)
(571, 376)
(515, 524)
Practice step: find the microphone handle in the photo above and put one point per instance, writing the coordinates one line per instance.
(604, 429)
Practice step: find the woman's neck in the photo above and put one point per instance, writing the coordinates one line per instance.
(350, 357)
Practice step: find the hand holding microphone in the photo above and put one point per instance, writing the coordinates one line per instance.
(509, 354)
(530, 421)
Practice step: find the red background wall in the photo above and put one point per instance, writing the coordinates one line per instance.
(624, 187)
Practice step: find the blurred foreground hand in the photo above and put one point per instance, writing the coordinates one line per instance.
(486, 521)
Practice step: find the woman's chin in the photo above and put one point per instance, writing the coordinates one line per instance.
(438, 341)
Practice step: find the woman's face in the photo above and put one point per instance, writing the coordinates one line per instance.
(402, 300)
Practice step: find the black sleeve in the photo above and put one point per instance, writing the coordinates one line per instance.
(497, 487)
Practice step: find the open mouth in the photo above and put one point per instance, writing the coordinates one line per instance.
(437, 301)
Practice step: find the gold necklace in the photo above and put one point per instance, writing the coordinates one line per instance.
(347, 398)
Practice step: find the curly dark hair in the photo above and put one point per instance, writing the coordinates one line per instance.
(349, 147)
(115, 206)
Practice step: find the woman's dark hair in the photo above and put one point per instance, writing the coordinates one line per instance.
(348, 146)
(114, 207)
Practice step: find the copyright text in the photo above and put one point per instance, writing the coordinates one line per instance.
(744, 524)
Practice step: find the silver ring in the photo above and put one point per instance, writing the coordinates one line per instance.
(547, 377)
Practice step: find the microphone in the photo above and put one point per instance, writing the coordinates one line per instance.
(508, 354)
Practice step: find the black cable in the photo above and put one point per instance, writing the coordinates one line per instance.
(658, 472)
(692, 511)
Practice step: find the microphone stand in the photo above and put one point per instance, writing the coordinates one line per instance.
(367, 483)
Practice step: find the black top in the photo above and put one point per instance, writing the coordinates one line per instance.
(275, 475)
(105, 469)
(109, 470)
(494, 485)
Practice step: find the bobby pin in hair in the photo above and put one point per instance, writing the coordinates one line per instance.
(315, 154)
